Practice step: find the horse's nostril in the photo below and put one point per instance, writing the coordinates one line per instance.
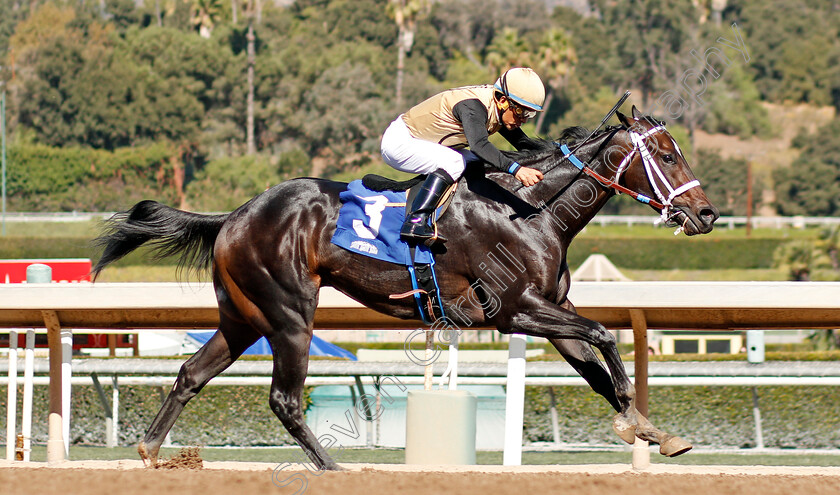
(709, 215)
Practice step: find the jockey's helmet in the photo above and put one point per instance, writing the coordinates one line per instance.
(523, 86)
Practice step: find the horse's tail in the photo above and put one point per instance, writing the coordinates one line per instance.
(169, 232)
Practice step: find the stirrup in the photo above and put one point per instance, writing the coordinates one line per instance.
(420, 233)
(426, 240)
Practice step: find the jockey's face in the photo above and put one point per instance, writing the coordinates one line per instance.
(515, 115)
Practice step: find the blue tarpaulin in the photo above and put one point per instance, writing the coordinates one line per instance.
(318, 347)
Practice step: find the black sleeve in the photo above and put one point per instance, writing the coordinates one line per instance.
(473, 116)
(519, 139)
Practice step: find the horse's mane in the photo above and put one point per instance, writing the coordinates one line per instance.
(542, 150)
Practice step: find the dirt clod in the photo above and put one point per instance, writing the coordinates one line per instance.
(187, 458)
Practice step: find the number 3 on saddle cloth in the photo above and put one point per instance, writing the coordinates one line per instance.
(369, 224)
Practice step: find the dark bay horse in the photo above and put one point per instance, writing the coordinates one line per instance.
(504, 265)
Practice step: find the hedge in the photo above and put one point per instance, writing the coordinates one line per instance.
(697, 253)
(792, 417)
(219, 415)
(42, 178)
(632, 253)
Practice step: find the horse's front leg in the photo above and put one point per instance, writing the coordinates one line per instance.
(539, 317)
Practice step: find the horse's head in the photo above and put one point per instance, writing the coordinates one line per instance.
(656, 167)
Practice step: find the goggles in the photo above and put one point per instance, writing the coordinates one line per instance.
(522, 112)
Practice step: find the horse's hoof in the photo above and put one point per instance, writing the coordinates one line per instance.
(335, 467)
(624, 430)
(674, 446)
(149, 461)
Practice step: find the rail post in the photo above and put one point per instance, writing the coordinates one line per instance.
(28, 373)
(641, 451)
(515, 401)
(56, 452)
(11, 398)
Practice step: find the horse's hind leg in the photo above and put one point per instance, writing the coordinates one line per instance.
(284, 313)
(291, 362)
(223, 348)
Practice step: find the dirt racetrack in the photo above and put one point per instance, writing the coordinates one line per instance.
(128, 478)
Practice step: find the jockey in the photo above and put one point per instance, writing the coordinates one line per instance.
(430, 137)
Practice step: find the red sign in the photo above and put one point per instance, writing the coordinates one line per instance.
(63, 270)
(80, 341)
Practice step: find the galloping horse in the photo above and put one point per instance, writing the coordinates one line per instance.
(271, 255)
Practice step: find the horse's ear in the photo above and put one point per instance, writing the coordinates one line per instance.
(636, 113)
(623, 119)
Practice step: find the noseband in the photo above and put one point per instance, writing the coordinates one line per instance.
(651, 167)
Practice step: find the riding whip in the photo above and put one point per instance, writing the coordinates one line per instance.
(604, 121)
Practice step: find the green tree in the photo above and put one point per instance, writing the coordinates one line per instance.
(651, 38)
(205, 15)
(596, 59)
(406, 13)
(793, 56)
(508, 50)
(225, 184)
(587, 112)
(468, 27)
(724, 181)
(303, 97)
(121, 13)
(807, 188)
(79, 83)
(14, 11)
(346, 116)
(555, 61)
(812, 185)
(735, 106)
(51, 51)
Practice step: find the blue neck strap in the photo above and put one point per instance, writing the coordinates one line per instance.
(572, 158)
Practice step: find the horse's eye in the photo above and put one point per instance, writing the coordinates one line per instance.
(669, 159)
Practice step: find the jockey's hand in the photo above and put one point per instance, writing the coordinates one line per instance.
(528, 176)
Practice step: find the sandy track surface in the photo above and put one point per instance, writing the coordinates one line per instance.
(128, 477)
(131, 464)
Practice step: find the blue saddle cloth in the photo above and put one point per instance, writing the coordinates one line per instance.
(369, 223)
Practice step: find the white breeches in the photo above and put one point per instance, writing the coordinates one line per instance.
(408, 154)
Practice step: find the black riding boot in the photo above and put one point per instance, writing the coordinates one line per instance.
(416, 229)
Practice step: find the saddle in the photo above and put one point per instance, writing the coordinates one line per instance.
(378, 183)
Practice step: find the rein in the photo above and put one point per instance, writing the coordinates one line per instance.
(607, 182)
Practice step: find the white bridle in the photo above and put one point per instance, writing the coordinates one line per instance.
(651, 168)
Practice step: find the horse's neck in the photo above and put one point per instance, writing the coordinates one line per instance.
(571, 198)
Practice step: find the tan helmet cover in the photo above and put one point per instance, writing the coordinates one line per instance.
(523, 86)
